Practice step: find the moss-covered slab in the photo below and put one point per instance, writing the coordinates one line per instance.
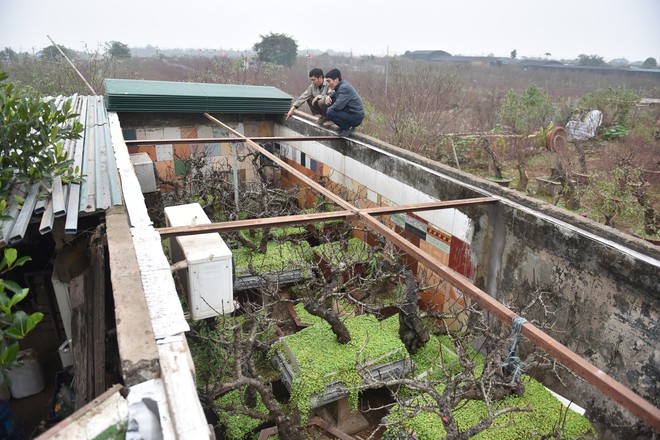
(320, 368)
(279, 257)
(357, 251)
(548, 412)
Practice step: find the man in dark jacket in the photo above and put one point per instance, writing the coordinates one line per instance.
(345, 105)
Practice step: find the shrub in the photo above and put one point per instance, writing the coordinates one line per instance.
(528, 111)
(615, 103)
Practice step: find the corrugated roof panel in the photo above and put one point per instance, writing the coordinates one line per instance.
(94, 156)
(180, 97)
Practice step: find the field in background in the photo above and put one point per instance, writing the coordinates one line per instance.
(442, 111)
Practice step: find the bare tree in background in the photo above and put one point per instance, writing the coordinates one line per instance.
(421, 101)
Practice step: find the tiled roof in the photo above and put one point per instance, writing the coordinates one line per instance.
(99, 189)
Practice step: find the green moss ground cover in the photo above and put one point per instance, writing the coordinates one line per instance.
(278, 257)
(357, 251)
(546, 415)
(238, 426)
(282, 233)
(322, 360)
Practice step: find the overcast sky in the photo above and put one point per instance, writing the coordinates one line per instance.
(564, 28)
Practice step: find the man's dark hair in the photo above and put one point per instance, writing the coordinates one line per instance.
(316, 72)
(334, 74)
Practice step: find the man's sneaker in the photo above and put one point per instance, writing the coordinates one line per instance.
(347, 132)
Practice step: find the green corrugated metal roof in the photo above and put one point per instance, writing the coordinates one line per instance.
(181, 97)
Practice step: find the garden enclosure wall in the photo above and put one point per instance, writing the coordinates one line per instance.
(608, 285)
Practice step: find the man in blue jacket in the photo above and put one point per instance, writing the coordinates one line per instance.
(345, 105)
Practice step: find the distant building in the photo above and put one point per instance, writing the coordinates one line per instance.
(428, 55)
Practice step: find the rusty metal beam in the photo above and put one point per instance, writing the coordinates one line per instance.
(429, 206)
(314, 217)
(615, 390)
(271, 222)
(230, 139)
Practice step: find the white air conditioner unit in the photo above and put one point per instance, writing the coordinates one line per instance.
(208, 279)
(144, 170)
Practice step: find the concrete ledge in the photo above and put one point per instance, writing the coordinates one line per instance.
(135, 336)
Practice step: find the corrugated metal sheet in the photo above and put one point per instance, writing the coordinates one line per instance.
(99, 189)
(180, 97)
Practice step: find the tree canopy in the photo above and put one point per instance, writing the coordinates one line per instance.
(591, 60)
(278, 49)
(650, 63)
(7, 54)
(118, 50)
(526, 111)
(51, 53)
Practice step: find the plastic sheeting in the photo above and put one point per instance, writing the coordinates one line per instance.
(584, 129)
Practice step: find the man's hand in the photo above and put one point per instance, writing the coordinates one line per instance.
(290, 112)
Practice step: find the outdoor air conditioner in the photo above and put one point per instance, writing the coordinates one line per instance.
(208, 278)
(144, 170)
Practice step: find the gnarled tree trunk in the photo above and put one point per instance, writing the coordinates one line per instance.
(412, 331)
(338, 328)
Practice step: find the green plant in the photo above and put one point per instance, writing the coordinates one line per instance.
(322, 360)
(541, 136)
(611, 196)
(357, 251)
(617, 131)
(32, 135)
(546, 412)
(277, 49)
(438, 361)
(525, 111)
(615, 103)
(591, 60)
(278, 257)
(14, 324)
(238, 425)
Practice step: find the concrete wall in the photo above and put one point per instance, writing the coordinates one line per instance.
(169, 159)
(604, 285)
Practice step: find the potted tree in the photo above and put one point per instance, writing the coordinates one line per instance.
(524, 112)
(494, 164)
